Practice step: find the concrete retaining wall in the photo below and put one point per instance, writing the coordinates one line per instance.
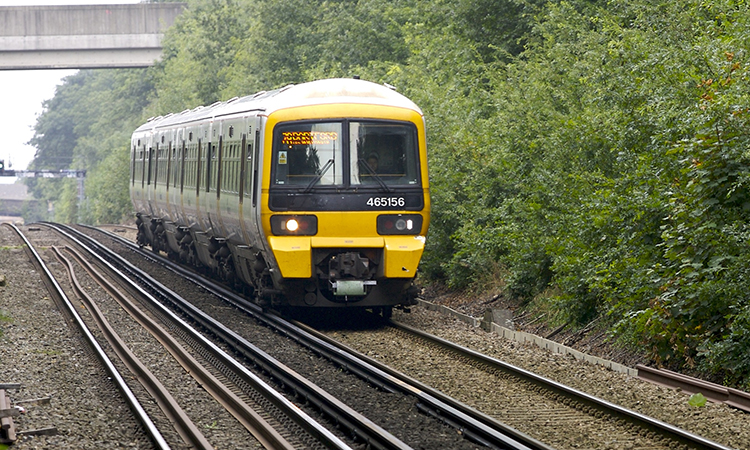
(523, 337)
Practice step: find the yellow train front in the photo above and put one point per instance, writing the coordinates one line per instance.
(332, 203)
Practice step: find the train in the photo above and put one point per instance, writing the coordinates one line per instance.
(314, 195)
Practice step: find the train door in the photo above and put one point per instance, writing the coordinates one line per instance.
(178, 183)
(160, 170)
(152, 165)
(229, 181)
(191, 168)
(213, 175)
(167, 168)
(204, 181)
(172, 199)
(247, 206)
(250, 210)
(136, 174)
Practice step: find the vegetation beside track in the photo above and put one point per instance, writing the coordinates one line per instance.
(590, 157)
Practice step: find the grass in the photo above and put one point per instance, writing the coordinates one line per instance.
(4, 318)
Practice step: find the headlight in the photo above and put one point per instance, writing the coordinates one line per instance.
(399, 224)
(294, 225)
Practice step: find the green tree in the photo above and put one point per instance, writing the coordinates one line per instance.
(199, 50)
(89, 120)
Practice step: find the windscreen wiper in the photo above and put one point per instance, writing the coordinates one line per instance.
(377, 178)
(318, 176)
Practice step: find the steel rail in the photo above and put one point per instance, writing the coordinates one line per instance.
(250, 419)
(456, 413)
(712, 391)
(475, 425)
(643, 421)
(379, 438)
(57, 292)
(185, 427)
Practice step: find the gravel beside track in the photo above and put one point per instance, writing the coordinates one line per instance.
(718, 422)
(40, 351)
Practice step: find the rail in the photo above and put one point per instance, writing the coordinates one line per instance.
(640, 420)
(185, 427)
(474, 425)
(69, 310)
(369, 432)
(714, 392)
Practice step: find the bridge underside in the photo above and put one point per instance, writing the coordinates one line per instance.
(84, 37)
(79, 52)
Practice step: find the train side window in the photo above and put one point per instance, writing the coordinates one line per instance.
(238, 175)
(248, 179)
(174, 173)
(159, 165)
(167, 165)
(190, 162)
(219, 166)
(198, 169)
(150, 155)
(143, 166)
(228, 178)
(237, 166)
(243, 169)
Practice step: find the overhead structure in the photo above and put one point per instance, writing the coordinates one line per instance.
(80, 175)
(84, 36)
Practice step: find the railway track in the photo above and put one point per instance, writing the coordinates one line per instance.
(563, 407)
(690, 385)
(294, 430)
(191, 434)
(68, 309)
(484, 432)
(553, 405)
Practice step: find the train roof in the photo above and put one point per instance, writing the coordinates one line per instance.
(320, 92)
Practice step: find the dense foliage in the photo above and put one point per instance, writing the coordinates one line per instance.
(589, 157)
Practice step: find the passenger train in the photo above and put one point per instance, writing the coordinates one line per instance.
(312, 195)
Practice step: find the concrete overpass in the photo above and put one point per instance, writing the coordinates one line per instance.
(84, 37)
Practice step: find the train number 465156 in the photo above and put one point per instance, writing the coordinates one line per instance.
(386, 202)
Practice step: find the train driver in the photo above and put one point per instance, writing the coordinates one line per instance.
(372, 161)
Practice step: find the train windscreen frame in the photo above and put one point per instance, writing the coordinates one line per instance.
(353, 154)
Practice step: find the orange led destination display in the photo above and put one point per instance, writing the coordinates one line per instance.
(308, 137)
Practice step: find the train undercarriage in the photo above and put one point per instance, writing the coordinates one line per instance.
(341, 277)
